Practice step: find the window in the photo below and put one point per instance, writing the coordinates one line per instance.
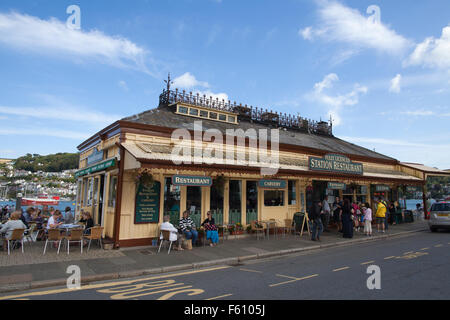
(193, 112)
(194, 203)
(183, 110)
(213, 115)
(292, 192)
(172, 196)
(85, 192)
(235, 201)
(203, 113)
(440, 207)
(216, 201)
(112, 192)
(90, 191)
(231, 119)
(222, 117)
(274, 198)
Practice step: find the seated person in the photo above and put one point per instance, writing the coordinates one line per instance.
(87, 221)
(167, 226)
(36, 217)
(13, 224)
(55, 220)
(211, 230)
(188, 227)
(68, 216)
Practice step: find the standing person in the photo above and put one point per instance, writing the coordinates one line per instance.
(316, 221)
(337, 213)
(367, 220)
(188, 227)
(45, 213)
(211, 230)
(347, 224)
(386, 218)
(355, 215)
(326, 214)
(391, 213)
(380, 215)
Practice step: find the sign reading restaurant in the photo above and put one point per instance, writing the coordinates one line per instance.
(193, 181)
(335, 163)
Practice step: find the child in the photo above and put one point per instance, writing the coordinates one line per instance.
(367, 220)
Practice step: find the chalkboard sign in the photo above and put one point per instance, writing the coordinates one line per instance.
(147, 204)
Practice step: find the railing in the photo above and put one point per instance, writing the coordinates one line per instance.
(280, 120)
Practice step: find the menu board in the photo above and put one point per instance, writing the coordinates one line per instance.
(147, 204)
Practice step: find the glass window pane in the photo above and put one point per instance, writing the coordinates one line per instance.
(203, 113)
(183, 110)
(274, 198)
(213, 115)
(112, 192)
(172, 196)
(193, 112)
(235, 201)
(231, 119)
(292, 192)
(222, 117)
(194, 203)
(251, 201)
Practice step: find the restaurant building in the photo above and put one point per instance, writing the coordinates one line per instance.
(310, 163)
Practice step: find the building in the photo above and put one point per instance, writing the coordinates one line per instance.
(177, 148)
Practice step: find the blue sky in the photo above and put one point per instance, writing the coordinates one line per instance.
(383, 75)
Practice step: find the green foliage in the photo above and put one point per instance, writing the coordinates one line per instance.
(435, 185)
(50, 163)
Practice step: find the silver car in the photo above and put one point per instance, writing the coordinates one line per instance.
(439, 216)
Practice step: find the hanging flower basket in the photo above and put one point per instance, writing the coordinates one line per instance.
(220, 183)
(144, 179)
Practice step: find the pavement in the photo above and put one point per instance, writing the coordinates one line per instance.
(32, 269)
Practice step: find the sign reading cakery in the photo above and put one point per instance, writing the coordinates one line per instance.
(195, 181)
(335, 163)
(272, 184)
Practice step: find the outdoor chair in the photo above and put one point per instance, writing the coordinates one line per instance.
(16, 236)
(95, 234)
(166, 238)
(30, 231)
(76, 235)
(53, 235)
(289, 226)
(225, 232)
(257, 227)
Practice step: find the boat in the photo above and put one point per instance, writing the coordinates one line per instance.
(41, 200)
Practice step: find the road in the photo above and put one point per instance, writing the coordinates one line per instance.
(411, 267)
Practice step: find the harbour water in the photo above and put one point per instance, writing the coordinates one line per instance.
(61, 206)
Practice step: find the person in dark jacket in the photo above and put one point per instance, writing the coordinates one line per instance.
(316, 221)
(347, 222)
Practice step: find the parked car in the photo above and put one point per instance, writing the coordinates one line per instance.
(439, 216)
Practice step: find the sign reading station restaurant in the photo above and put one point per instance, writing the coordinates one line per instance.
(274, 184)
(335, 163)
(192, 181)
(147, 204)
(98, 167)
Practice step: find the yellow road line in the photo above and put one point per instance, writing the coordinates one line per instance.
(249, 270)
(364, 263)
(109, 284)
(289, 277)
(297, 279)
(340, 269)
(424, 248)
(409, 252)
(225, 295)
(391, 257)
(438, 246)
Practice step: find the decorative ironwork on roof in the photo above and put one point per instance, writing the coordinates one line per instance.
(245, 113)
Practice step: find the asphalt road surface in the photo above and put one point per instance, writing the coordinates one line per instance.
(411, 267)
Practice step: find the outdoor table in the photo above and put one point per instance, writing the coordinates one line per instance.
(68, 227)
(268, 224)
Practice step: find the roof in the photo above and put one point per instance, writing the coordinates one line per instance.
(425, 168)
(163, 116)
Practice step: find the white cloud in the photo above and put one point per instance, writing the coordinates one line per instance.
(52, 37)
(76, 135)
(419, 113)
(395, 84)
(123, 85)
(336, 103)
(63, 112)
(339, 23)
(215, 96)
(187, 81)
(434, 53)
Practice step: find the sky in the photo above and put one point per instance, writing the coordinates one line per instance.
(379, 69)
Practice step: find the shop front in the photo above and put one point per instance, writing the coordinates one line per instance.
(138, 180)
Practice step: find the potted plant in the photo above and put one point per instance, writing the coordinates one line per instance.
(231, 229)
(239, 228)
(144, 178)
(249, 229)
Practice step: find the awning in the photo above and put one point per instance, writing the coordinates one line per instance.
(95, 168)
(145, 152)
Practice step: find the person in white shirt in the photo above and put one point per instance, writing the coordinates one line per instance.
(326, 214)
(167, 226)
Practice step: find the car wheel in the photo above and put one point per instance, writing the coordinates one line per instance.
(433, 229)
